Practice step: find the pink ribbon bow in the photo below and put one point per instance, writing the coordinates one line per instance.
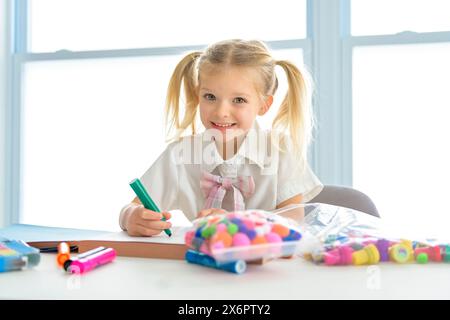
(214, 188)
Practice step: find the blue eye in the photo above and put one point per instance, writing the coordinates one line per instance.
(209, 96)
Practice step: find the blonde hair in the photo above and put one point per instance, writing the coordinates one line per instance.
(294, 116)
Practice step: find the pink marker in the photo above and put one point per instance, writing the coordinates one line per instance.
(86, 263)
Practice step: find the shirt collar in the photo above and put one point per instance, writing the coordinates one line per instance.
(250, 149)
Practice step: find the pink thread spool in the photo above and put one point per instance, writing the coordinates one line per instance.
(339, 256)
(434, 253)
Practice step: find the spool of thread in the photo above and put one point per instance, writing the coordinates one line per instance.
(409, 244)
(400, 253)
(368, 255)
(238, 266)
(383, 248)
(433, 253)
(446, 250)
(342, 255)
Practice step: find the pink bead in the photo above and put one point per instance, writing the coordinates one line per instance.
(188, 237)
(249, 224)
(273, 237)
(221, 227)
(217, 245)
(240, 239)
(204, 248)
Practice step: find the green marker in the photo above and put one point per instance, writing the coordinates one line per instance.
(148, 203)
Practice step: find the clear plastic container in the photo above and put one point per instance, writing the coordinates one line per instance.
(248, 235)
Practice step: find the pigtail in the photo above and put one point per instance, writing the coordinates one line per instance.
(185, 72)
(294, 114)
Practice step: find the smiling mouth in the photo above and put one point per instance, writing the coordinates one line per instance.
(223, 125)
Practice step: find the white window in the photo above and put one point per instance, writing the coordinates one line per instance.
(92, 87)
(401, 110)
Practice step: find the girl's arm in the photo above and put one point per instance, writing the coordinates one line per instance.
(297, 214)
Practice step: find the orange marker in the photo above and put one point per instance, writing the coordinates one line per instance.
(63, 253)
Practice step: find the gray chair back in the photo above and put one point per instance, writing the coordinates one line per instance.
(346, 197)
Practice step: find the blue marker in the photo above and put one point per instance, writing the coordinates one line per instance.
(238, 266)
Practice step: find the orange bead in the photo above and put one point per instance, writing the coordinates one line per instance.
(259, 240)
(281, 230)
(224, 237)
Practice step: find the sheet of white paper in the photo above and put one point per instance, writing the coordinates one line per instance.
(180, 225)
(176, 238)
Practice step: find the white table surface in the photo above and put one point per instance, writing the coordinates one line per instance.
(139, 278)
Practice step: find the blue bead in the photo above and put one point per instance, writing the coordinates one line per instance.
(293, 236)
(251, 234)
(198, 233)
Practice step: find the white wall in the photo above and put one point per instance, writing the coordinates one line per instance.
(4, 51)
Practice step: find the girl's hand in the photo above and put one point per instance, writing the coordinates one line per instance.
(141, 222)
(207, 212)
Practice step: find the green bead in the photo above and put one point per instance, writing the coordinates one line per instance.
(232, 229)
(208, 231)
(422, 257)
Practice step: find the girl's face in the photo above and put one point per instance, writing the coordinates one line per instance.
(229, 100)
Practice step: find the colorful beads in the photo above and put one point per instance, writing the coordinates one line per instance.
(251, 234)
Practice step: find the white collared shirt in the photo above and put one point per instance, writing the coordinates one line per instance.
(173, 181)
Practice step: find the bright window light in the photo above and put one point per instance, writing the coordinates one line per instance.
(80, 25)
(89, 127)
(371, 17)
(401, 108)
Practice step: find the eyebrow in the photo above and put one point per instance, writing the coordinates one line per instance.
(234, 93)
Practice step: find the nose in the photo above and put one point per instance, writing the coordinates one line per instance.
(223, 110)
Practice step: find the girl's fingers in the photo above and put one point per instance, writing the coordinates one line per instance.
(141, 231)
(204, 213)
(207, 212)
(167, 215)
(150, 215)
(219, 211)
(157, 225)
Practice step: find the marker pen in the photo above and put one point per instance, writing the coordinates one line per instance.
(238, 266)
(90, 260)
(63, 253)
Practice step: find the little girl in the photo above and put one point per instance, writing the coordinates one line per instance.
(233, 164)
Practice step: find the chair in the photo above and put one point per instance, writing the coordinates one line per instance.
(346, 197)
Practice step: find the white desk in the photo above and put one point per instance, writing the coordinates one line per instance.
(137, 278)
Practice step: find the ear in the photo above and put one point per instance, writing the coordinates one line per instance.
(266, 106)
